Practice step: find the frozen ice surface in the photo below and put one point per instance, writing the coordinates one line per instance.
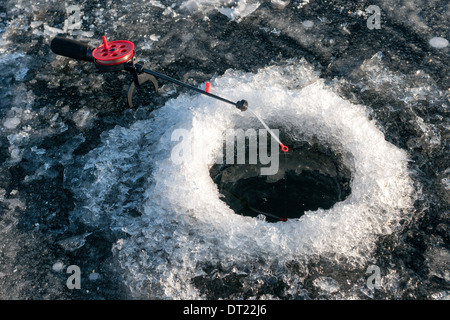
(184, 224)
(175, 237)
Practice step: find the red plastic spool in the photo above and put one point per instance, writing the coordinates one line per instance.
(114, 52)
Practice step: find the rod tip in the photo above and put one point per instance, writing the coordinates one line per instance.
(242, 105)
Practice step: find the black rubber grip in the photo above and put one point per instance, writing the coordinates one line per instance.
(71, 49)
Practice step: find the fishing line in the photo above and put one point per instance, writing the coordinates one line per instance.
(283, 147)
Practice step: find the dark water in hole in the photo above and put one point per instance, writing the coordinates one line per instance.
(307, 179)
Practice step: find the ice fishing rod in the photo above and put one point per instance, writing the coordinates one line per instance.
(120, 55)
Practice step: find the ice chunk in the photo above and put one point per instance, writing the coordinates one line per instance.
(279, 4)
(14, 64)
(36, 24)
(38, 151)
(21, 73)
(58, 266)
(74, 21)
(51, 31)
(302, 3)
(326, 284)
(239, 12)
(75, 242)
(445, 180)
(83, 118)
(11, 123)
(154, 37)
(15, 154)
(65, 152)
(158, 4)
(308, 24)
(93, 276)
(437, 259)
(190, 5)
(201, 5)
(169, 11)
(438, 42)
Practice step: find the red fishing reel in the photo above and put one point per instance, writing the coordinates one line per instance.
(111, 56)
(119, 55)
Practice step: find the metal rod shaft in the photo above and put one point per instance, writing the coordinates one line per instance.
(167, 78)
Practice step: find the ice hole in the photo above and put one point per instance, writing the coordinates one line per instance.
(309, 177)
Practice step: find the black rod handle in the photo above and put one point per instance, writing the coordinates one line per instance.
(72, 49)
